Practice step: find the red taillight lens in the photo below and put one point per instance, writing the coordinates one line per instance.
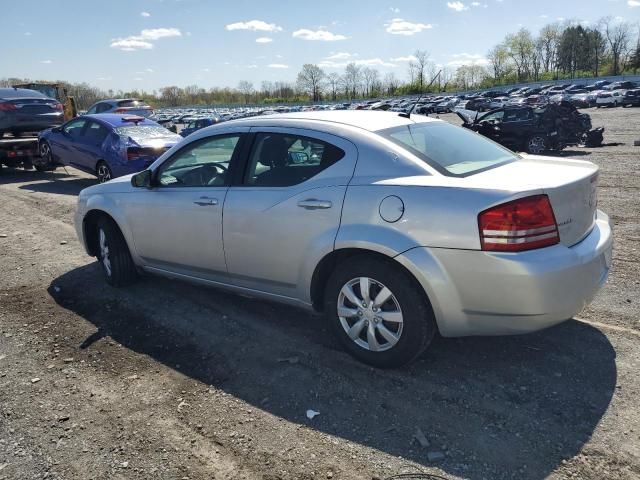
(6, 107)
(58, 107)
(120, 110)
(522, 224)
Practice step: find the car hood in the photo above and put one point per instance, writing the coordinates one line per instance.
(117, 185)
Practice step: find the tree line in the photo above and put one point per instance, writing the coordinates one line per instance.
(559, 51)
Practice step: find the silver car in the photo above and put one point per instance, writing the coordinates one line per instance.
(395, 227)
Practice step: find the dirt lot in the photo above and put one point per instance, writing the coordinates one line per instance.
(169, 381)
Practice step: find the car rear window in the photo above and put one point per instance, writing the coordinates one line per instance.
(132, 103)
(144, 132)
(453, 151)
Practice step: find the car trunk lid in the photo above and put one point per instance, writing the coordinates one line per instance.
(571, 186)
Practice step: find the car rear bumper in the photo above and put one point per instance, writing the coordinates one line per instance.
(487, 293)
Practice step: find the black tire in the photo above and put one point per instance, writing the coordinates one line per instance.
(418, 325)
(118, 268)
(103, 172)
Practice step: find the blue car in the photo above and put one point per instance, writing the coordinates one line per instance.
(106, 145)
(197, 124)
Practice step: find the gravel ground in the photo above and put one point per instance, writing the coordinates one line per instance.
(165, 380)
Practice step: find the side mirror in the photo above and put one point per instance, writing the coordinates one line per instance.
(142, 179)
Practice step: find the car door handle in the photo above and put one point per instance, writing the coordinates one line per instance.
(206, 201)
(314, 204)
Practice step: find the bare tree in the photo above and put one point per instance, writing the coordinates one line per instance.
(369, 77)
(310, 80)
(520, 47)
(391, 83)
(618, 35)
(353, 77)
(549, 39)
(333, 79)
(499, 58)
(171, 95)
(246, 88)
(421, 63)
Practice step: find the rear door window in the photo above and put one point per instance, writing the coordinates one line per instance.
(283, 160)
(74, 128)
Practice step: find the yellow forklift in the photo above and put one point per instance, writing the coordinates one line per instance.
(57, 91)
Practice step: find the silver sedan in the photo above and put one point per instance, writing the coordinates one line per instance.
(395, 227)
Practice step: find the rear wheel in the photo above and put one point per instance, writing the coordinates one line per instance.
(113, 254)
(378, 312)
(103, 172)
(536, 144)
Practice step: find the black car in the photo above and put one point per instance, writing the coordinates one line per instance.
(631, 98)
(23, 110)
(534, 129)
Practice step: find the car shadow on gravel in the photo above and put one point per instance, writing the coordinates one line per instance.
(499, 407)
(57, 182)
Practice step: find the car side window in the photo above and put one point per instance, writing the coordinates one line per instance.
(95, 133)
(203, 163)
(92, 110)
(102, 107)
(283, 160)
(74, 128)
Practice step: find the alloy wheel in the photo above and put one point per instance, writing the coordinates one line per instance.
(45, 154)
(370, 314)
(104, 175)
(104, 252)
(536, 144)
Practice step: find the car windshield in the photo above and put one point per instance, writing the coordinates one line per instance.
(452, 150)
(144, 132)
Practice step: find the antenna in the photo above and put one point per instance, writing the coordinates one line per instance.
(408, 114)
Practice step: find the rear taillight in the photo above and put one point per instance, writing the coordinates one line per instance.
(120, 110)
(522, 224)
(7, 107)
(58, 107)
(135, 153)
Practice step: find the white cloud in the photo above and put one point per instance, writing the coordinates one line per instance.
(145, 39)
(394, 10)
(148, 70)
(27, 34)
(317, 35)
(145, 14)
(398, 26)
(408, 58)
(365, 62)
(544, 16)
(264, 40)
(633, 3)
(206, 69)
(253, 65)
(341, 56)
(46, 62)
(255, 25)
(475, 4)
(457, 6)
(277, 65)
(138, 79)
(468, 59)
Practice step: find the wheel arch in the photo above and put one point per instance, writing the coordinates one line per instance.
(90, 230)
(329, 262)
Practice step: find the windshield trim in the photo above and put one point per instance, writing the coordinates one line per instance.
(387, 134)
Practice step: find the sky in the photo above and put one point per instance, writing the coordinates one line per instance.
(148, 44)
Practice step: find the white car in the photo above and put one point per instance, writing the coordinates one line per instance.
(395, 226)
(609, 98)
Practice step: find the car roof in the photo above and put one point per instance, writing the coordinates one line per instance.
(371, 120)
(117, 119)
(11, 92)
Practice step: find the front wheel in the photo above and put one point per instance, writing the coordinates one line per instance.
(103, 172)
(113, 255)
(378, 312)
(45, 161)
